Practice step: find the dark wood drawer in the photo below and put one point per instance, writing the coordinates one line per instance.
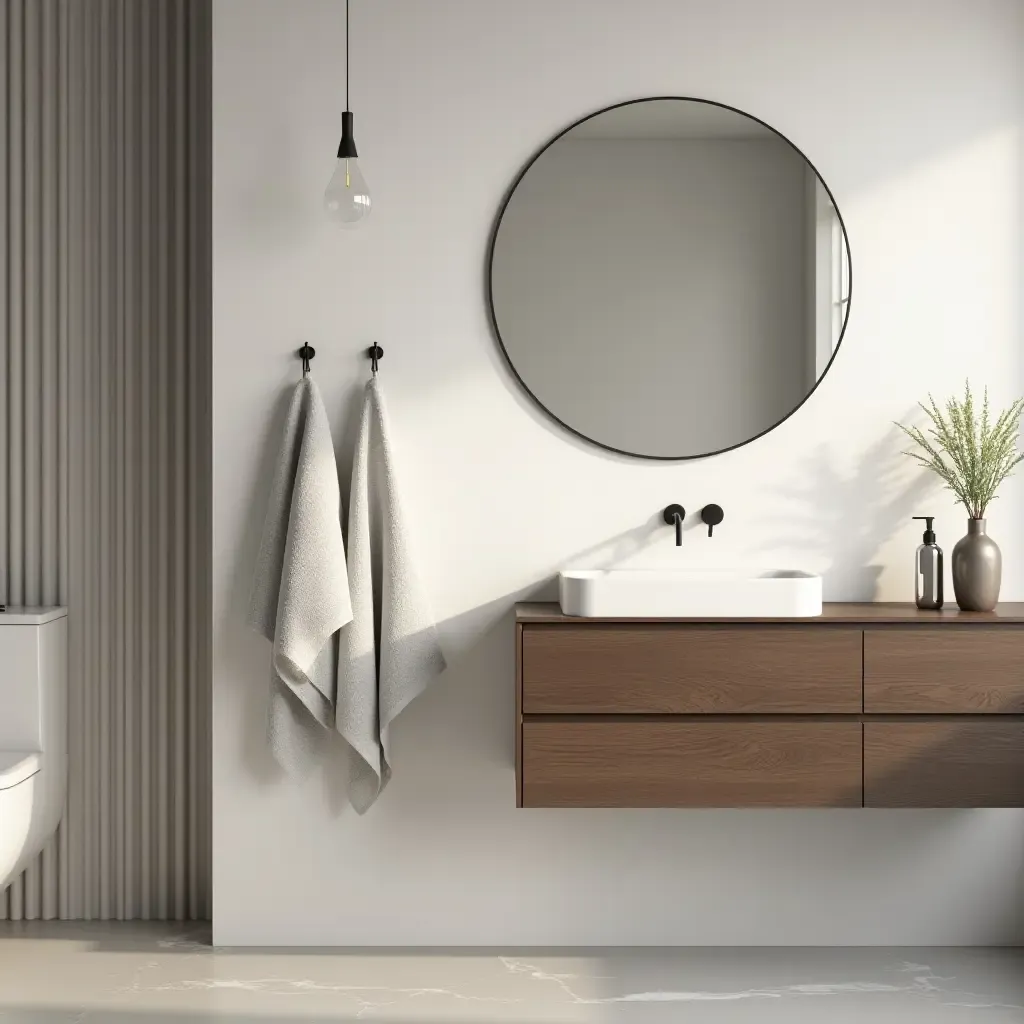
(943, 670)
(644, 763)
(627, 669)
(954, 763)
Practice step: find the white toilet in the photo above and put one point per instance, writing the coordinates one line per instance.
(33, 732)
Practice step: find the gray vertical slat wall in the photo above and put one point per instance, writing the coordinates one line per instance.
(104, 431)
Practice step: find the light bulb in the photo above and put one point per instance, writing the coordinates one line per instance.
(347, 199)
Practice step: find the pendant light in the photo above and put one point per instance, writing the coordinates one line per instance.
(347, 199)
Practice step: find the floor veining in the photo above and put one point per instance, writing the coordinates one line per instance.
(155, 974)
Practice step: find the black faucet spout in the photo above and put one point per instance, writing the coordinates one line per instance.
(674, 516)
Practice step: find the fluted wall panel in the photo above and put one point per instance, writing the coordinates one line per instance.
(105, 414)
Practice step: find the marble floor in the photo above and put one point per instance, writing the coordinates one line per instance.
(141, 974)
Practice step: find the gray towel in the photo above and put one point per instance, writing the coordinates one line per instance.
(389, 654)
(300, 596)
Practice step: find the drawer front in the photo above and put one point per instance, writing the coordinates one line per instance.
(626, 669)
(956, 763)
(691, 764)
(944, 670)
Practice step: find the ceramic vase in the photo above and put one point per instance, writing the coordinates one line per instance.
(977, 569)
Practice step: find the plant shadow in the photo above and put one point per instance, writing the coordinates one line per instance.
(844, 519)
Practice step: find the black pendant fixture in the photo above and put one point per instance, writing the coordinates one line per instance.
(347, 199)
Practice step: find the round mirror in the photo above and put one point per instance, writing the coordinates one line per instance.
(669, 278)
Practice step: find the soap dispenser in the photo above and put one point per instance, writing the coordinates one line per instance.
(928, 569)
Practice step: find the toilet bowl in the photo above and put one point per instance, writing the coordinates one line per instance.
(33, 732)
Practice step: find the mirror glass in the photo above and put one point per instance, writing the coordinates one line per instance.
(669, 278)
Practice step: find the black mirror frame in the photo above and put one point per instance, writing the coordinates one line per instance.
(490, 274)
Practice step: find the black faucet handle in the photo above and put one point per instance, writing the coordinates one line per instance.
(712, 515)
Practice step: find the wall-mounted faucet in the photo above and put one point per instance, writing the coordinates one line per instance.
(712, 515)
(675, 514)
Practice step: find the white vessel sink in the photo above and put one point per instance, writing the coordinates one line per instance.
(688, 593)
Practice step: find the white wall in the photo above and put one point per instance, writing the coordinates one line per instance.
(911, 111)
(652, 292)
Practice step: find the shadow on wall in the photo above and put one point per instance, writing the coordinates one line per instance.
(846, 519)
(906, 765)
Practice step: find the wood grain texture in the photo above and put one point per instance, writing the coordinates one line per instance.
(952, 763)
(616, 669)
(939, 671)
(873, 613)
(607, 763)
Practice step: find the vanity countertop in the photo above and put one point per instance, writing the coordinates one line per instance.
(876, 613)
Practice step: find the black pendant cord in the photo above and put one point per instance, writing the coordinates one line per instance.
(347, 147)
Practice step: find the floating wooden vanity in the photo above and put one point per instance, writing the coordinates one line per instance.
(869, 705)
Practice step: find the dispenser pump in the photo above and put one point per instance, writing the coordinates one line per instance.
(929, 532)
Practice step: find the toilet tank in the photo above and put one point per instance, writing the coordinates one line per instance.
(33, 679)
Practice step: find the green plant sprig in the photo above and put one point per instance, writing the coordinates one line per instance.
(970, 454)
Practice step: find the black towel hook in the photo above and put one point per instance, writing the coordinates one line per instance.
(305, 354)
(376, 353)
